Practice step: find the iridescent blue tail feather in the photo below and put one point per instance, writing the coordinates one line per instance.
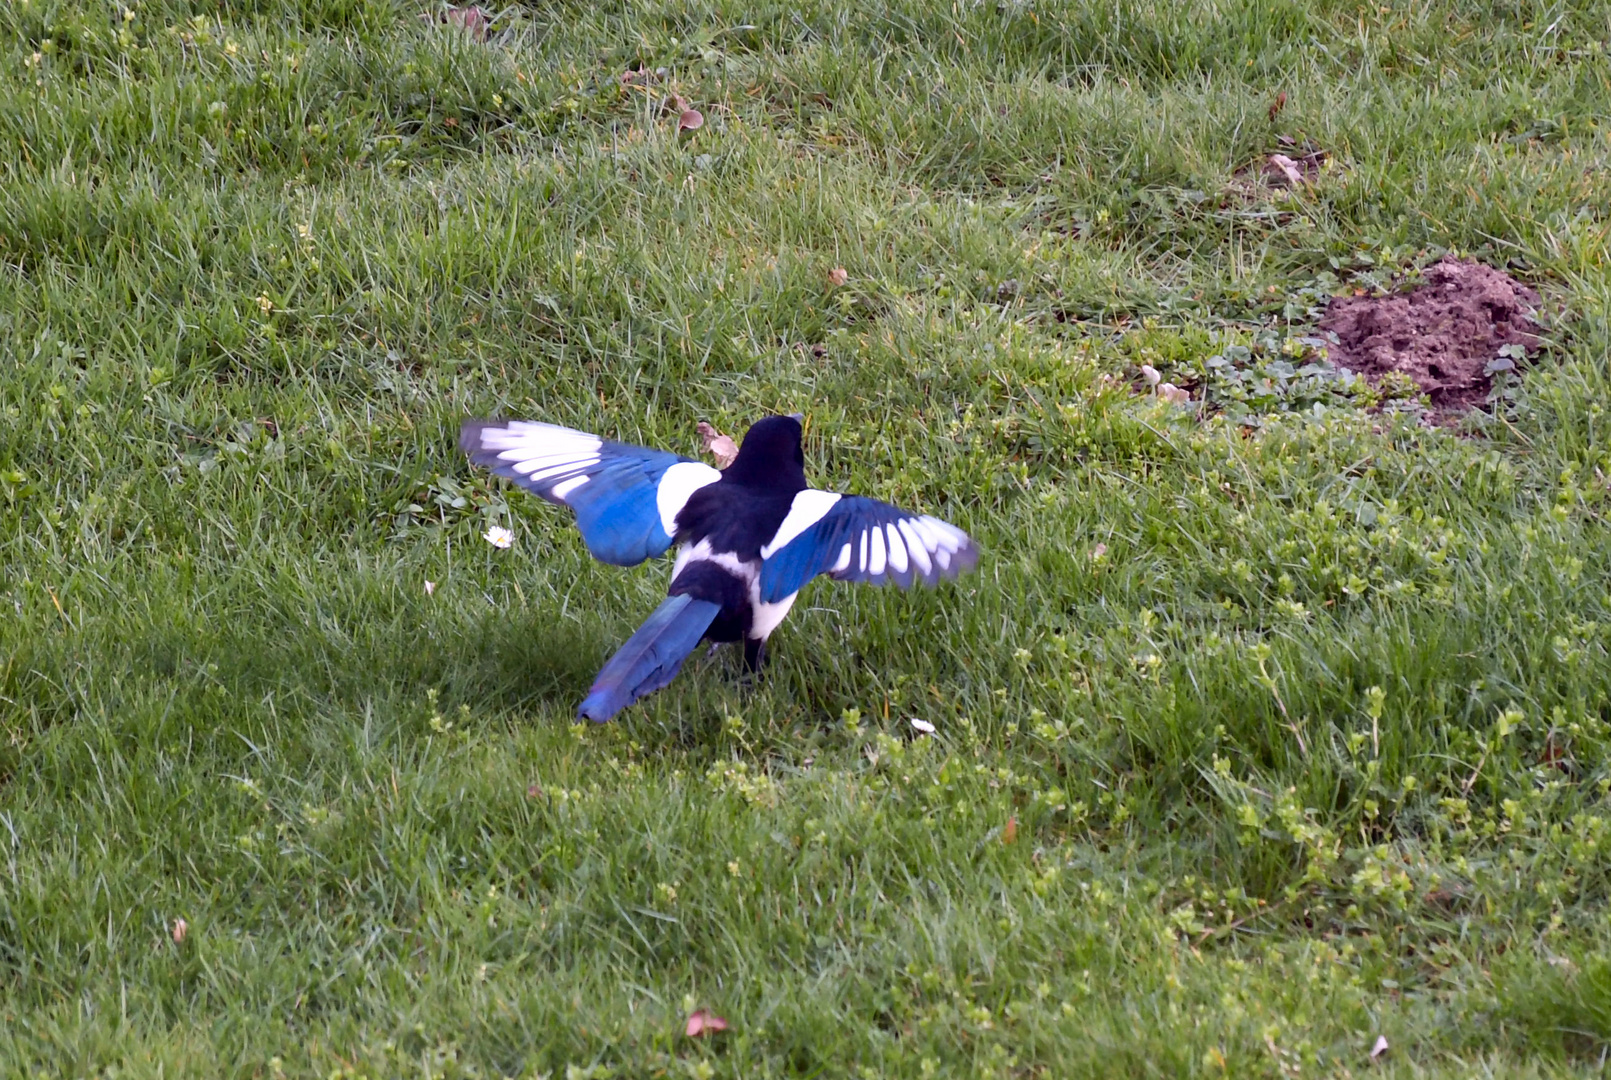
(650, 658)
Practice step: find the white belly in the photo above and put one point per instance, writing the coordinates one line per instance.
(764, 618)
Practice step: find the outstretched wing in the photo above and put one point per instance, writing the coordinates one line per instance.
(852, 538)
(626, 497)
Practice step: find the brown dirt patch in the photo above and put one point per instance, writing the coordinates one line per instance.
(1443, 333)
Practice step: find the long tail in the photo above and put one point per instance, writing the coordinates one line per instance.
(651, 656)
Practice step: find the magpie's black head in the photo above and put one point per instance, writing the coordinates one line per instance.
(771, 456)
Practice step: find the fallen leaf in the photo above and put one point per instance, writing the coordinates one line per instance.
(837, 277)
(180, 929)
(430, 588)
(1379, 1048)
(1277, 105)
(922, 726)
(717, 445)
(1009, 831)
(702, 1022)
(690, 120)
(1284, 168)
(1171, 392)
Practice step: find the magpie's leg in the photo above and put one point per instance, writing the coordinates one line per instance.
(754, 655)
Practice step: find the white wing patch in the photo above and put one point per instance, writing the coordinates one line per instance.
(565, 487)
(915, 548)
(945, 535)
(550, 465)
(875, 561)
(677, 486)
(920, 548)
(897, 549)
(808, 508)
(543, 452)
(521, 439)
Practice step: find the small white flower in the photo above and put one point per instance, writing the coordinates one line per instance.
(499, 537)
(922, 727)
(430, 586)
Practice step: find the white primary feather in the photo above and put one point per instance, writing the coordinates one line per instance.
(528, 438)
(897, 548)
(564, 488)
(875, 561)
(919, 553)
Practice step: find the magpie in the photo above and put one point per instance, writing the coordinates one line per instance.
(748, 537)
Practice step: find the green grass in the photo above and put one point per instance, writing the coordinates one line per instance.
(1314, 751)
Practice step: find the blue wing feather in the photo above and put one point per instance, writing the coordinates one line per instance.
(861, 539)
(625, 497)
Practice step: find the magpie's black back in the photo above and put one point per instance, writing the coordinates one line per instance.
(741, 513)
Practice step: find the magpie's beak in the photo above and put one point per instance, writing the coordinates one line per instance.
(797, 417)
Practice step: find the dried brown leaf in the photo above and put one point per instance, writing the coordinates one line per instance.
(1277, 105)
(717, 445)
(837, 277)
(1009, 831)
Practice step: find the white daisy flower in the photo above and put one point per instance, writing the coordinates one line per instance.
(922, 727)
(498, 536)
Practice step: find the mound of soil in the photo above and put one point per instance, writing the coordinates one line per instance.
(1442, 334)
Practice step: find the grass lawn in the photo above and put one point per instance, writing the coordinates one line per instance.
(1270, 725)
